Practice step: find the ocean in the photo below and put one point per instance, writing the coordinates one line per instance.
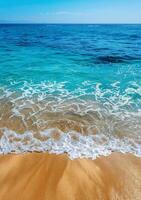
(72, 89)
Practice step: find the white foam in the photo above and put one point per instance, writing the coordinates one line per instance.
(91, 146)
(108, 109)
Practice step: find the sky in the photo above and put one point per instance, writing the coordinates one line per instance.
(70, 11)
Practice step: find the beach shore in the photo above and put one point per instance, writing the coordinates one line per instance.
(43, 176)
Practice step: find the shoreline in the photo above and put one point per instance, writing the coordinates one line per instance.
(44, 176)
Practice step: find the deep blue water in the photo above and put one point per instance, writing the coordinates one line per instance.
(96, 63)
(74, 53)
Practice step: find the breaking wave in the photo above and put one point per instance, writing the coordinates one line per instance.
(89, 121)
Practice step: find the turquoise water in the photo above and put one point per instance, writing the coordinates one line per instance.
(85, 77)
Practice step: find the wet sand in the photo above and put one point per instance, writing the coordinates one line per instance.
(42, 176)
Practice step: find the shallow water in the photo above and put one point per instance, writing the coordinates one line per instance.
(70, 88)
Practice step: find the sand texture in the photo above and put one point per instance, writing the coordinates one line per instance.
(42, 176)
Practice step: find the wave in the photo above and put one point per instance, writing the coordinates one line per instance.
(72, 143)
(89, 121)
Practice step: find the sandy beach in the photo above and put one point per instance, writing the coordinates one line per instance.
(43, 176)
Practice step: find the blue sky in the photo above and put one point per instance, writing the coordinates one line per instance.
(70, 11)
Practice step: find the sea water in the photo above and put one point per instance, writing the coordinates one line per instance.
(72, 89)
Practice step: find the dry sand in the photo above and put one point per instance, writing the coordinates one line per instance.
(40, 176)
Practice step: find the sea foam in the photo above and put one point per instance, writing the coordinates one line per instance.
(114, 115)
(74, 144)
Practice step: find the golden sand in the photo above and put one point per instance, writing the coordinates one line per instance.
(41, 176)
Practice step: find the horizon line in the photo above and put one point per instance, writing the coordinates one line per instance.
(71, 23)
